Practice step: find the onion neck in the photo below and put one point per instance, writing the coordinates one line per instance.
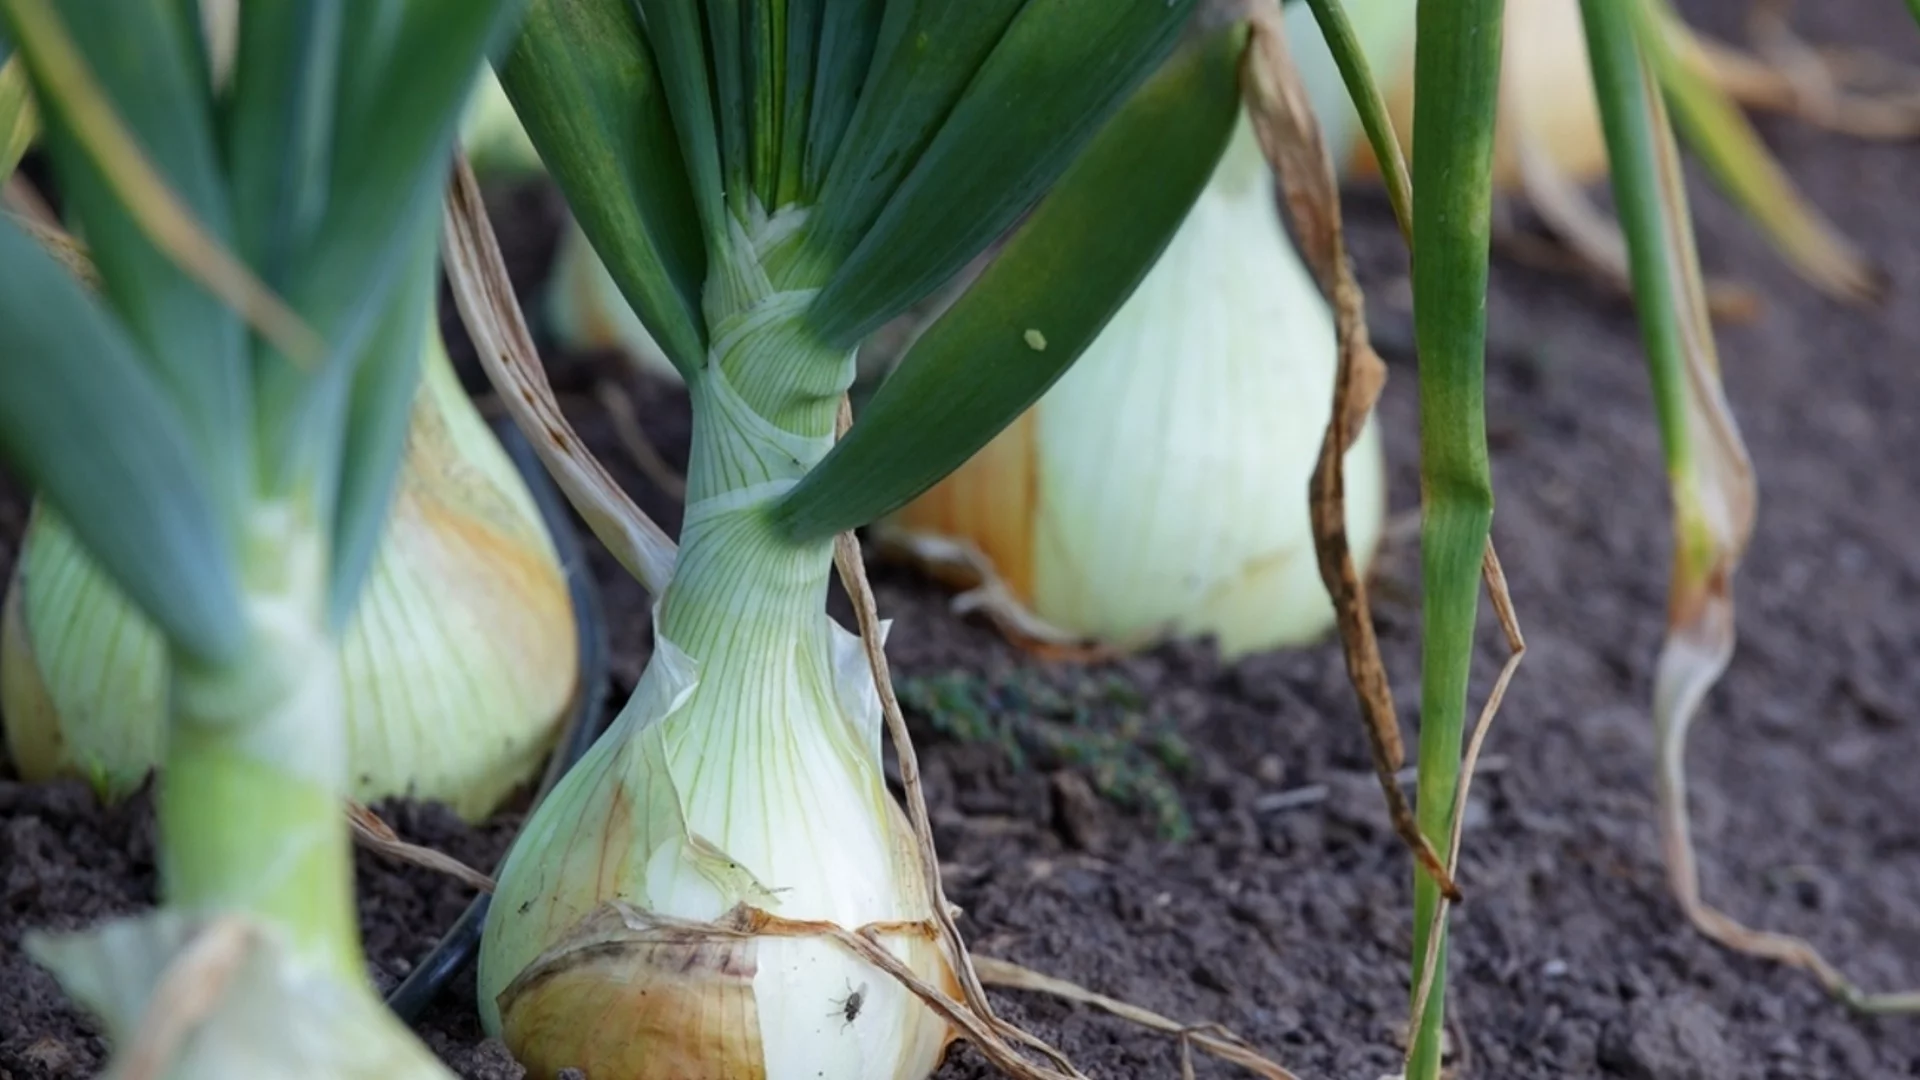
(256, 760)
(764, 408)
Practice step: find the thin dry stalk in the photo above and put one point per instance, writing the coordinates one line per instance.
(374, 834)
(853, 576)
(633, 439)
(185, 996)
(986, 1031)
(492, 316)
(1502, 600)
(1291, 139)
(1209, 1037)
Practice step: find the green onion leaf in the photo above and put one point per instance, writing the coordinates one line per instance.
(1048, 294)
(141, 58)
(680, 50)
(1457, 75)
(379, 412)
(19, 118)
(927, 53)
(85, 421)
(394, 123)
(279, 131)
(802, 39)
(733, 100)
(849, 29)
(1060, 70)
(766, 58)
(583, 80)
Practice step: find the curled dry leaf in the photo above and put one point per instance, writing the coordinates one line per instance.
(1283, 119)
(492, 316)
(1502, 600)
(1723, 137)
(374, 834)
(1714, 505)
(1593, 241)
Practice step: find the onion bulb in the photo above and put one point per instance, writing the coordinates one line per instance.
(458, 663)
(1160, 487)
(626, 940)
(1546, 88)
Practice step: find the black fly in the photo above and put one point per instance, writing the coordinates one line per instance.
(848, 1007)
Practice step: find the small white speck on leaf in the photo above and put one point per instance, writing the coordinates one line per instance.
(1036, 340)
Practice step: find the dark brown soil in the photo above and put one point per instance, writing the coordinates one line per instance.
(1291, 924)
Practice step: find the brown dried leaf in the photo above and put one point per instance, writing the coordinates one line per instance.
(1502, 600)
(1715, 503)
(374, 834)
(485, 297)
(1290, 136)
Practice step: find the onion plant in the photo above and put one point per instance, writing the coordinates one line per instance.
(219, 427)
(766, 184)
(1445, 211)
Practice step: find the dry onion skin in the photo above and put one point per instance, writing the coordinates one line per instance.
(458, 663)
(1160, 487)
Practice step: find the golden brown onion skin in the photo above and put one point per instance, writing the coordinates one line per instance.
(665, 1005)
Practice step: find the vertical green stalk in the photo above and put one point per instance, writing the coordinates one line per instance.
(1627, 96)
(1456, 87)
(249, 802)
(764, 407)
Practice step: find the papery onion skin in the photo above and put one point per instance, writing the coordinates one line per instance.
(1160, 487)
(673, 1008)
(458, 662)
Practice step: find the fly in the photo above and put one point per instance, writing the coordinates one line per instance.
(848, 1008)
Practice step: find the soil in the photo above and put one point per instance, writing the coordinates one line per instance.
(1287, 918)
